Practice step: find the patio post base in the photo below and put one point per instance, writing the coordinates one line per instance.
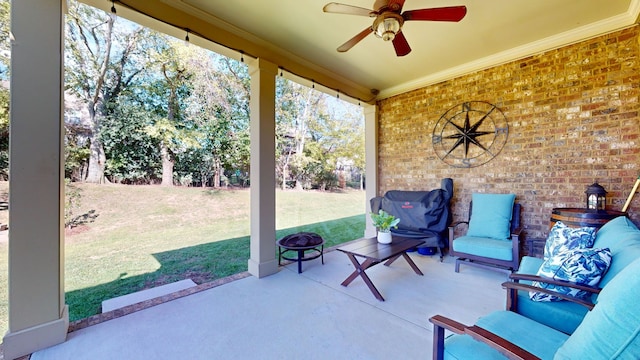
(27, 341)
(261, 270)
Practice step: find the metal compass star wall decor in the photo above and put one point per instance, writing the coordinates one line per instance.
(470, 134)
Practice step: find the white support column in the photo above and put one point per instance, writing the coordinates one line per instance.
(38, 316)
(371, 162)
(263, 260)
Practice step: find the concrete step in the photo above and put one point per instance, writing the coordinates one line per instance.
(130, 299)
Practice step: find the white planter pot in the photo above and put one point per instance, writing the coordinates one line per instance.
(384, 237)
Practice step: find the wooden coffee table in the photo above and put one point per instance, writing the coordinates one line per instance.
(374, 253)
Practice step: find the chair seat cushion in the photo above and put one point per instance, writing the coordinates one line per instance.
(563, 316)
(485, 247)
(536, 338)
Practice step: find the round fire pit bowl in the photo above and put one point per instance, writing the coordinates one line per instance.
(306, 245)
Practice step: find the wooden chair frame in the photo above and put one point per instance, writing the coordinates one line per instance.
(508, 349)
(490, 263)
(514, 285)
(441, 323)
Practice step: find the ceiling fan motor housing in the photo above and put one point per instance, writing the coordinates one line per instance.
(387, 25)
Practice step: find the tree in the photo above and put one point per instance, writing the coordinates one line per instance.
(132, 155)
(298, 106)
(101, 61)
(318, 137)
(231, 147)
(153, 108)
(167, 129)
(219, 110)
(339, 137)
(186, 117)
(4, 133)
(5, 36)
(5, 60)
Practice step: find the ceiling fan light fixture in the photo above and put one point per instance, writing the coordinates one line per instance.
(387, 26)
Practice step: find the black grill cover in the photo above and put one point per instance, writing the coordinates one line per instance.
(421, 213)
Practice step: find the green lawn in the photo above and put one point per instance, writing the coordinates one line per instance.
(145, 236)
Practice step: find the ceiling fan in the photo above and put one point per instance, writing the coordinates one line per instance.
(389, 19)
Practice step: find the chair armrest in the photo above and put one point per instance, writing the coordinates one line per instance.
(508, 349)
(440, 323)
(591, 289)
(447, 324)
(515, 243)
(452, 228)
(516, 232)
(510, 285)
(455, 225)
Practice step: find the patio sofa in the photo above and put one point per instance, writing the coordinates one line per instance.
(619, 235)
(609, 331)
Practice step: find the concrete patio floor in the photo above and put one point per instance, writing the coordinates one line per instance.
(292, 316)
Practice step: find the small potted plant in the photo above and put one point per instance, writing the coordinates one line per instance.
(384, 221)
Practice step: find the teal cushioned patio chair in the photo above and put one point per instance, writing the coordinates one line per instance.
(611, 330)
(493, 234)
(620, 235)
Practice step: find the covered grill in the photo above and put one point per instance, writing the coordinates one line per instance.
(423, 214)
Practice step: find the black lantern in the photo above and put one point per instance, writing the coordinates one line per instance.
(596, 197)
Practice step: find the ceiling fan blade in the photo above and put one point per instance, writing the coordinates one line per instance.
(451, 13)
(338, 8)
(396, 5)
(354, 40)
(401, 45)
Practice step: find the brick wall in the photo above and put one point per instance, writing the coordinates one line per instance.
(573, 117)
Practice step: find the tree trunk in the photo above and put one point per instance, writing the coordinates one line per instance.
(97, 160)
(301, 132)
(284, 177)
(167, 165)
(95, 106)
(285, 169)
(217, 170)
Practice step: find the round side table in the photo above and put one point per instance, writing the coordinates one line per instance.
(579, 217)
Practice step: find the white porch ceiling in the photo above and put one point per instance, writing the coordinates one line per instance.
(299, 36)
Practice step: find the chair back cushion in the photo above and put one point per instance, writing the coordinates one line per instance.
(562, 315)
(491, 215)
(622, 237)
(612, 329)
